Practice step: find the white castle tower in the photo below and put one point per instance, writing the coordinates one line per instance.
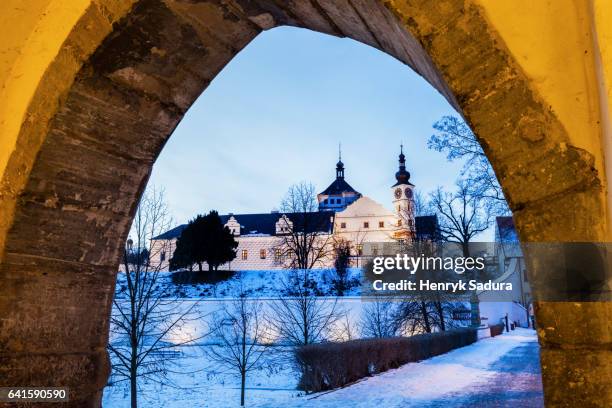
(403, 201)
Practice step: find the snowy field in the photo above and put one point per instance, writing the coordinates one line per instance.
(201, 384)
(193, 380)
(264, 283)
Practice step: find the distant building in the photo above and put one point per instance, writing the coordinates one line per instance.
(511, 260)
(344, 213)
(510, 263)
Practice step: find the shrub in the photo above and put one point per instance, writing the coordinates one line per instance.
(497, 329)
(326, 366)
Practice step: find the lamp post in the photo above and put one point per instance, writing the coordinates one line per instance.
(128, 252)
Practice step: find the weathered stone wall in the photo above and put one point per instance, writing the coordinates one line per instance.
(92, 90)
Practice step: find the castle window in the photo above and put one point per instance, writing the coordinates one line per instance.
(325, 201)
(162, 256)
(374, 250)
(278, 254)
(381, 224)
(366, 224)
(359, 248)
(245, 254)
(343, 225)
(262, 254)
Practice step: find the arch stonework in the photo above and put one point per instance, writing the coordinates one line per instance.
(85, 117)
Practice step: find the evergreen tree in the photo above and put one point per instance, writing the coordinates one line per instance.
(183, 253)
(218, 243)
(205, 239)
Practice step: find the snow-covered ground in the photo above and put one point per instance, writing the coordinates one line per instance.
(415, 384)
(263, 283)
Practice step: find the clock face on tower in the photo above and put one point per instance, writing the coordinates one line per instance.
(408, 192)
(398, 193)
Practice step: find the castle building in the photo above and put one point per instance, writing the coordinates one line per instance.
(343, 214)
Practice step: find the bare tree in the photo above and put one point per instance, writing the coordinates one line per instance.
(144, 316)
(414, 315)
(355, 244)
(422, 311)
(305, 240)
(456, 139)
(426, 313)
(461, 215)
(345, 329)
(421, 207)
(378, 318)
(241, 331)
(302, 317)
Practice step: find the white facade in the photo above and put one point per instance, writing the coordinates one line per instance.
(366, 221)
(161, 252)
(363, 221)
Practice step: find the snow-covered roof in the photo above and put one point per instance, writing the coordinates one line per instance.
(320, 221)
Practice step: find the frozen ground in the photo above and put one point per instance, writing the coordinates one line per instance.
(500, 371)
(264, 283)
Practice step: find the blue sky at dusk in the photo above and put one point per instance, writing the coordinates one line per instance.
(275, 115)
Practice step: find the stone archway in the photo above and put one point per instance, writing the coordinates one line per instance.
(122, 81)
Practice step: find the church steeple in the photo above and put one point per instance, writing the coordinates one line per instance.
(339, 165)
(402, 176)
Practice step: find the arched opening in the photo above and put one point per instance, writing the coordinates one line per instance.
(75, 182)
(271, 118)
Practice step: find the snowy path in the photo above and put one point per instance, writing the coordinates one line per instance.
(502, 371)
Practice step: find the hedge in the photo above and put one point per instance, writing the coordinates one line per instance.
(326, 366)
(497, 329)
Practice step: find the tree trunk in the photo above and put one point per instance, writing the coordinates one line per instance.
(440, 311)
(242, 386)
(133, 390)
(425, 317)
(134, 355)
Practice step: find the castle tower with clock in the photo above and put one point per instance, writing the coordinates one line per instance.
(403, 201)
